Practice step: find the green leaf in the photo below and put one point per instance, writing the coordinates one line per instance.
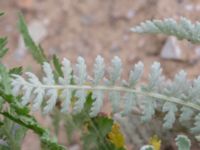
(2, 13)
(31, 123)
(36, 50)
(183, 142)
(57, 66)
(14, 103)
(3, 50)
(103, 124)
(24, 119)
(5, 80)
(98, 129)
(16, 70)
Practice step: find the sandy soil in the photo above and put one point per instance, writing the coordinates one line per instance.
(91, 27)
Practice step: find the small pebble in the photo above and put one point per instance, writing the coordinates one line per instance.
(171, 49)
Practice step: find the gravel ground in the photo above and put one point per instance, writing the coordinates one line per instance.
(91, 27)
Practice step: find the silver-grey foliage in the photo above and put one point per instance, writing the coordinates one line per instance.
(182, 142)
(180, 96)
(183, 29)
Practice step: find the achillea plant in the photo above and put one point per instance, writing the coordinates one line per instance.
(82, 97)
(179, 93)
(184, 29)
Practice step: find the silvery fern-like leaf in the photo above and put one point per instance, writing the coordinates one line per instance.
(49, 78)
(17, 83)
(33, 78)
(28, 89)
(99, 69)
(115, 73)
(179, 85)
(194, 93)
(186, 114)
(149, 109)
(154, 76)
(194, 90)
(67, 72)
(116, 70)
(130, 98)
(135, 74)
(162, 27)
(115, 100)
(187, 26)
(97, 96)
(16, 88)
(130, 102)
(169, 26)
(180, 93)
(81, 71)
(154, 80)
(38, 91)
(37, 101)
(183, 142)
(81, 98)
(80, 79)
(27, 94)
(170, 116)
(177, 88)
(52, 94)
(147, 147)
(193, 96)
(183, 29)
(196, 124)
(66, 93)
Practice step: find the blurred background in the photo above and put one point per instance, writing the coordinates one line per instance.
(72, 28)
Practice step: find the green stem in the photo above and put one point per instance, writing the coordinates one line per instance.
(23, 118)
(36, 128)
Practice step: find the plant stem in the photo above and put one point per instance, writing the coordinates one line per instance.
(121, 89)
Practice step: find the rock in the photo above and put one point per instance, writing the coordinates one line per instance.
(74, 147)
(87, 19)
(171, 49)
(115, 47)
(189, 7)
(38, 32)
(130, 14)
